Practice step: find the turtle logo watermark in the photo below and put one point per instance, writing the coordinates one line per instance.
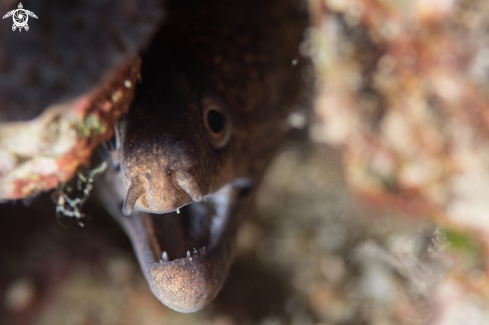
(20, 17)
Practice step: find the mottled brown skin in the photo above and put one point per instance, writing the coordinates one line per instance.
(233, 51)
(233, 59)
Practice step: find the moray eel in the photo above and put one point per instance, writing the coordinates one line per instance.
(206, 120)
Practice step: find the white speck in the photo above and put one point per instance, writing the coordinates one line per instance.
(178, 211)
(294, 62)
(164, 257)
(127, 83)
(297, 120)
(19, 294)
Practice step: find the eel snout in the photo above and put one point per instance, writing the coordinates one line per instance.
(158, 194)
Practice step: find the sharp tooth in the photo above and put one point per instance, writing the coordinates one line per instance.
(164, 257)
(202, 251)
(188, 253)
(195, 253)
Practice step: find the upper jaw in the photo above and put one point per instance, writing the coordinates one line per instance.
(143, 206)
(160, 194)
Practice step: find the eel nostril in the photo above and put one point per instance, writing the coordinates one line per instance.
(169, 172)
(148, 176)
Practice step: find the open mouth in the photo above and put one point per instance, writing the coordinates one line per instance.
(185, 254)
(191, 231)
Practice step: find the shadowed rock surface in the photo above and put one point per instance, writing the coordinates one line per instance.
(67, 50)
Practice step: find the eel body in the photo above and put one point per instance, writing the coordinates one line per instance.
(206, 119)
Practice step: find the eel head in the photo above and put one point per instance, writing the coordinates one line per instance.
(184, 196)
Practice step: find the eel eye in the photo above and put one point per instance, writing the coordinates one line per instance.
(217, 121)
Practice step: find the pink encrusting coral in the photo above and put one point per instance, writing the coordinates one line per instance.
(40, 154)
